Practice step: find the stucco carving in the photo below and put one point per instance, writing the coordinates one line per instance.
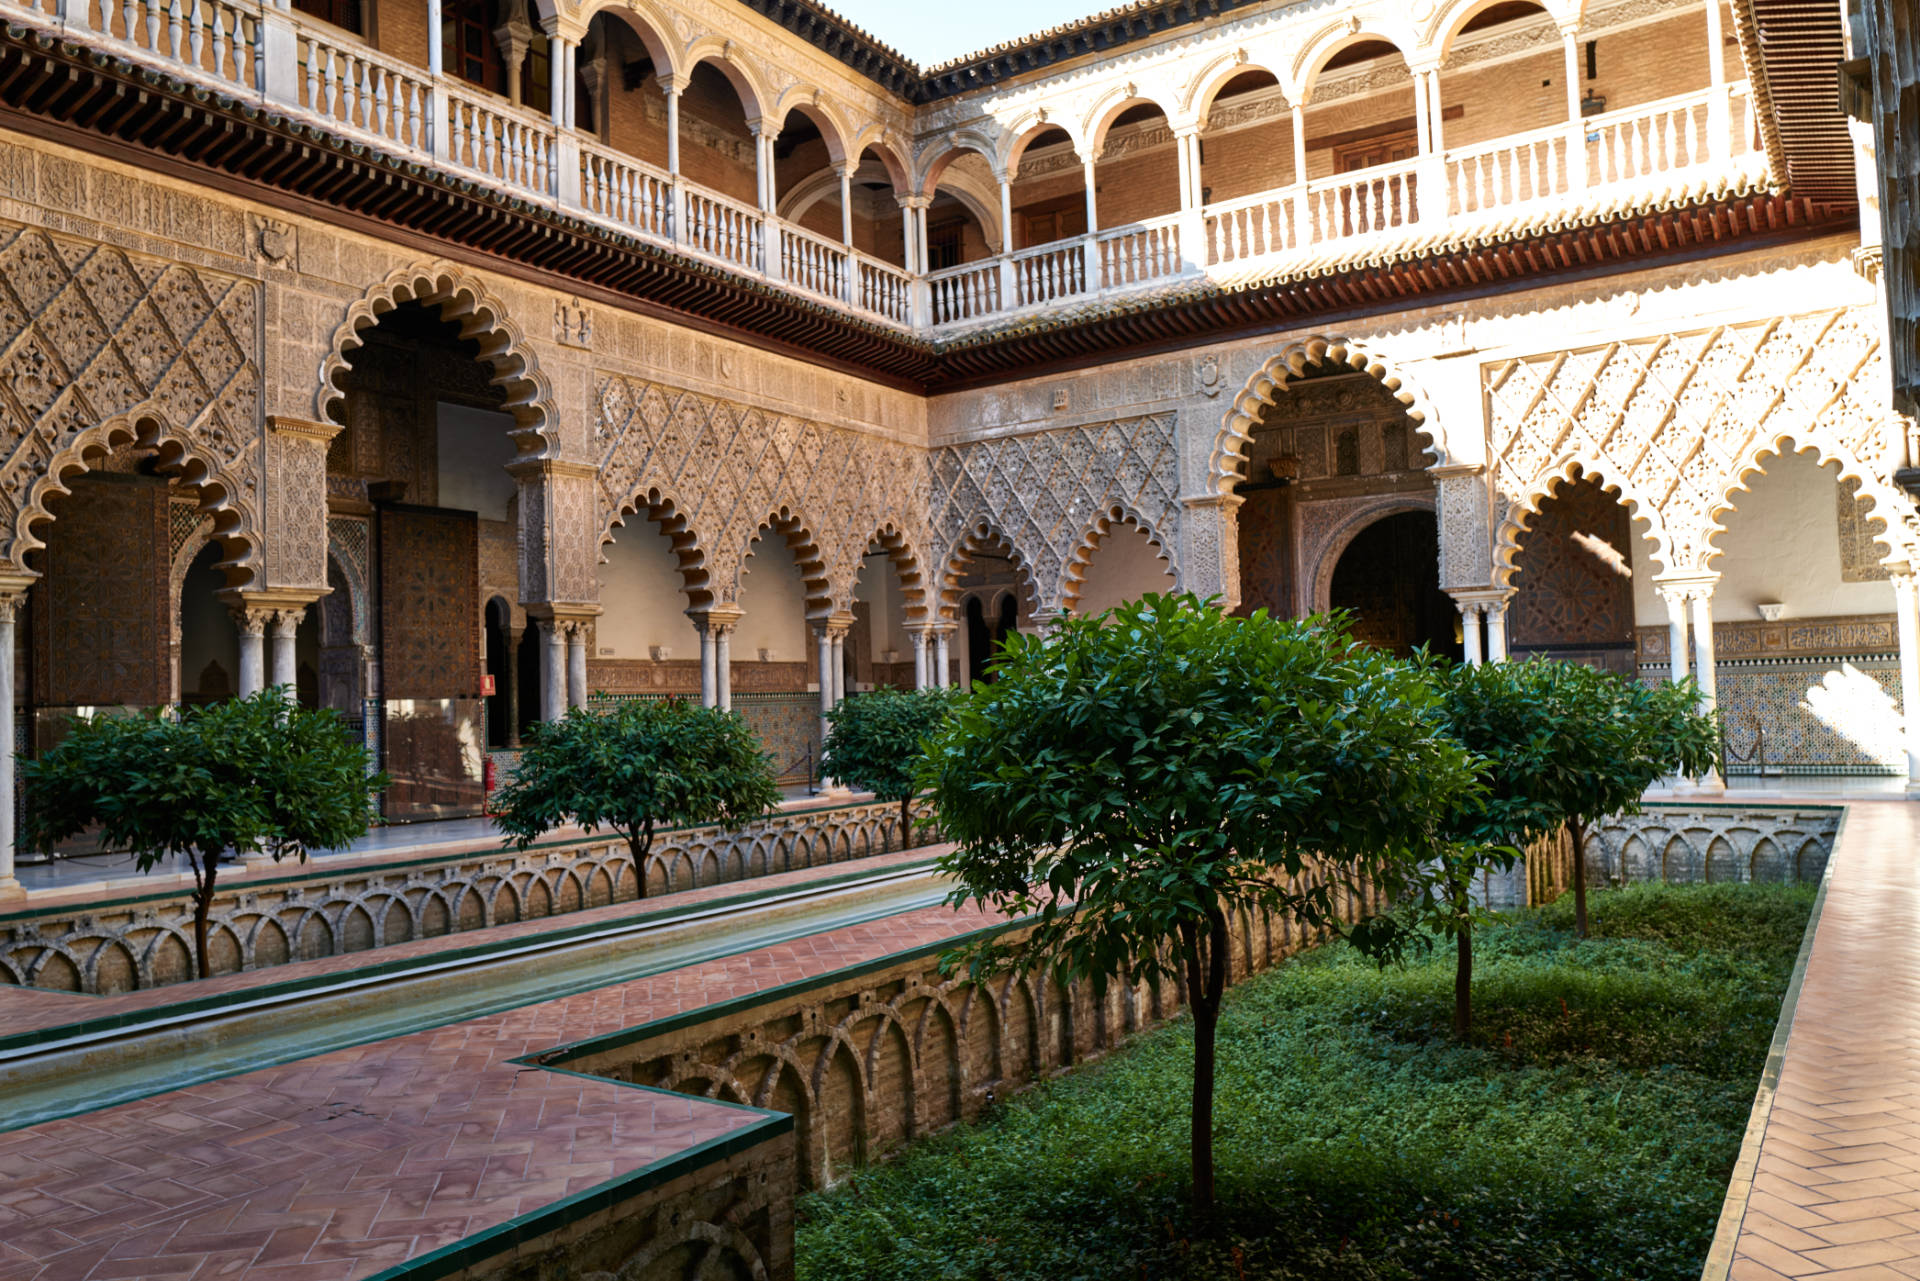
(1673, 422)
(718, 471)
(102, 348)
(1044, 491)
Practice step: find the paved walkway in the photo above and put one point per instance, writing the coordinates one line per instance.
(339, 1165)
(1836, 1188)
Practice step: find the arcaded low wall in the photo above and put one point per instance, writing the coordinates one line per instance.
(330, 906)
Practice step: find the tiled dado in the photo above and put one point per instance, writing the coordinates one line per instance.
(325, 909)
(1802, 696)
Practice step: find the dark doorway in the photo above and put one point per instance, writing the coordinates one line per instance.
(1389, 579)
(500, 725)
(979, 640)
(527, 672)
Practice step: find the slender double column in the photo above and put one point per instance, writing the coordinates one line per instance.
(715, 626)
(1689, 604)
(1906, 614)
(258, 616)
(13, 593)
(1488, 606)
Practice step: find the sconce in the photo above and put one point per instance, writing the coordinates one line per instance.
(1772, 611)
(660, 653)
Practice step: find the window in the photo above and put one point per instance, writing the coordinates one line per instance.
(466, 44)
(341, 13)
(944, 241)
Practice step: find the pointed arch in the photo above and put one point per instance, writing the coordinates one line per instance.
(218, 486)
(1885, 501)
(793, 528)
(1074, 574)
(1293, 361)
(1521, 509)
(651, 503)
(907, 562)
(976, 536)
(465, 301)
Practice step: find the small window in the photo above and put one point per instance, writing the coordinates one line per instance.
(466, 44)
(944, 243)
(341, 13)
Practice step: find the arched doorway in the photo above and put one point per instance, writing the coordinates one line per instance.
(1388, 578)
(500, 656)
(987, 630)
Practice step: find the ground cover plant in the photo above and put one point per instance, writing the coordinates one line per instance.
(1586, 1131)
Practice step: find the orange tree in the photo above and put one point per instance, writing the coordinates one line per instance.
(1130, 784)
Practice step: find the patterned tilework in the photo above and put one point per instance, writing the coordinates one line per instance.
(789, 726)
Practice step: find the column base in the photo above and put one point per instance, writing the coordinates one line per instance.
(1710, 784)
(1913, 789)
(11, 890)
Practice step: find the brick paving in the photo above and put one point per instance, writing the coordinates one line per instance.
(1836, 1188)
(34, 1009)
(343, 1164)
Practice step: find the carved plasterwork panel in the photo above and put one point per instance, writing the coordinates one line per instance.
(1861, 553)
(99, 346)
(725, 469)
(1674, 421)
(1047, 492)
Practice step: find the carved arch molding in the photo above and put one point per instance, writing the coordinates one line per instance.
(1052, 494)
(713, 472)
(103, 347)
(1673, 423)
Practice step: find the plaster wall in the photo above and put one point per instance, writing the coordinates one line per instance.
(879, 587)
(474, 447)
(775, 603)
(1123, 568)
(641, 601)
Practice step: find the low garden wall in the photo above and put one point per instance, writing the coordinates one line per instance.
(869, 1058)
(333, 906)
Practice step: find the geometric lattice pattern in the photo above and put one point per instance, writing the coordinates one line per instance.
(95, 342)
(1673, 422)
(1051, 495)
(727, 468)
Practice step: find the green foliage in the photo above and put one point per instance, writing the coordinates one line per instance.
(1133, 780)
(875, 743)
(640, 766)
(1587, 1131)
(246, 774)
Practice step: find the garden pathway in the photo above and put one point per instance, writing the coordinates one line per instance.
(1836, 1188)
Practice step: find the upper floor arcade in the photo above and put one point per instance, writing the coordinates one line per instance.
(1276, 140)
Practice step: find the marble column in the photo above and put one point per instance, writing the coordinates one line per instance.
(823, 645)
(723, 665)
(577, 663)
(553, 700)
(709, 677)
(1497, 629)
(1470, 630)
(919, 636)
(286, 629)
(839, 667)
(1677, 642)
(942, 669)
(9, 607)
(1906, 615)
(1700, 597)
(253, 627)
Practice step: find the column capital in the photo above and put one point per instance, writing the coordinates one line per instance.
(1687, 586)
(716, 618)
(913, 201)
(253, 611)
(283, 425)
(563, 612)
(674, 83)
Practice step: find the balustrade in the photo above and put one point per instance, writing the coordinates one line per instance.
(256, 50)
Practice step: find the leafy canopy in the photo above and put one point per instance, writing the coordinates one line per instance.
(874, 741)
(634, 767)
(1151, 769)
(250, 773)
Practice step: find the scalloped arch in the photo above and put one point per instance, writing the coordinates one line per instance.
(654, 504)
(221, 492)
(791, 525)
(1074, 575)
(978, 534)
(1897, 536)
(1293, 361)
(907, 561)
(463, 299)
(1521, 509)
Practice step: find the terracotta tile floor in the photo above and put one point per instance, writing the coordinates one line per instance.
(1836, 1192)
(343, 1164)
(30, 1009)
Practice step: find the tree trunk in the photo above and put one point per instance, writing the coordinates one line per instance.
(641, 844)
(203, 880)
(1579, 878)
(1206, 982)
(1463, 965)
(906, 822)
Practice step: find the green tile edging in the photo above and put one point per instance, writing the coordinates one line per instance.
(399, 966)
(1733, 1211)
(313, 869)
(491, 1243)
